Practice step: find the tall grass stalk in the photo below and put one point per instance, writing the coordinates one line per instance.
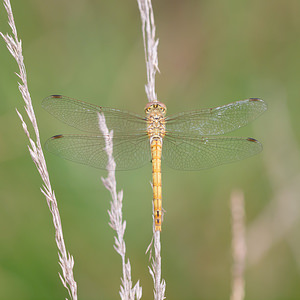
(66, 260)
(151, 58)
(239, 248)
(127, 292)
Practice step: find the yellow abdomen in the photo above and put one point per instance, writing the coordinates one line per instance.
(156, 147)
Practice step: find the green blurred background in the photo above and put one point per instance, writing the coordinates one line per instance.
(210, 53)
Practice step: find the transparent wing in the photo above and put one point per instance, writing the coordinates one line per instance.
(129, 152)
(84, 116)
(215, 121)
(206, 152)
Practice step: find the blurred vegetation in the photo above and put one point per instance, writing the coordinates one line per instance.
(210, 53)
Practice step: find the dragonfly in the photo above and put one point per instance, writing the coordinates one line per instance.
(185, 141)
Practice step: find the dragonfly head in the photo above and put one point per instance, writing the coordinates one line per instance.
(155, 108)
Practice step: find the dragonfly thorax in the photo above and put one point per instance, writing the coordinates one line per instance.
(155, 114)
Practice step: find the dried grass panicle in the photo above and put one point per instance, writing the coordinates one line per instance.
(155, 269)
(127, 291)
(151, 58)
(66, 261)
(150, 46)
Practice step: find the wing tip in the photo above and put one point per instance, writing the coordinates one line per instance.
(58, 136)
(56, 96)
(264, 106)
(258, 143)
(51, 142)
(256, 99)
(252, 140)
(46, 103)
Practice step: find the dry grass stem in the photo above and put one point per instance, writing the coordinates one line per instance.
(238, 245)
(150, 46)
(127, 292)
(151, 58)
(155, 270)
(66, 261)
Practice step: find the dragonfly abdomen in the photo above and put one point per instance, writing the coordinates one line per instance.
(156, 146)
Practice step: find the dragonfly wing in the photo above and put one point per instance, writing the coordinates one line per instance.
(128, 152)
(206, 152)
(84, 116)
(218, 120)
